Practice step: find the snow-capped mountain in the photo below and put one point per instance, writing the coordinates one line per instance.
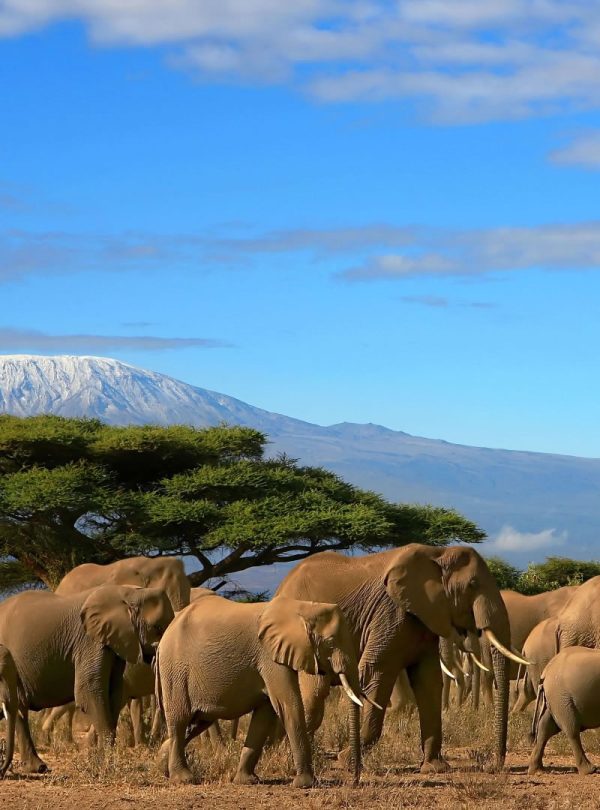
(534, 504)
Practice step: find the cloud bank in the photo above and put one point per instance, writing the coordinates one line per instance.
(461, 61)
(510, 539)
(362, 253)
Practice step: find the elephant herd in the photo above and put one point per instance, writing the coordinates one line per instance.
(114, 634)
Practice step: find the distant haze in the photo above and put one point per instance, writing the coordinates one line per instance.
(530, 504)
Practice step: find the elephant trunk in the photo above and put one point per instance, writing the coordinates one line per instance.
(10, 712)
(490, 614)
(355, 754)
(344, 664)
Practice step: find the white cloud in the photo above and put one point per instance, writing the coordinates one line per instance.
(583, 151)
(509, 539)
(461, 60)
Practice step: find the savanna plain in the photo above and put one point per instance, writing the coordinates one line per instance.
(125, 777)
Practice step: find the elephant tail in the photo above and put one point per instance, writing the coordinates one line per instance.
(157, 684)
(541, 704)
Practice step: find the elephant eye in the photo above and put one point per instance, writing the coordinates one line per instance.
(473, 583)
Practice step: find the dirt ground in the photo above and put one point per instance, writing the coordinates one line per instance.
(128, 778)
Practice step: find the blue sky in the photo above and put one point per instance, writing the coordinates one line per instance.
(358, 211)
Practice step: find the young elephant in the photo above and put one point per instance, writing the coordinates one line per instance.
(223, 659)
(568, 700)
(69, 648)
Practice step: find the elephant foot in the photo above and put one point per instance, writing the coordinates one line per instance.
(535, 768)
(182, 777)
(437, 765)
(303, 780)
(242, 778)
(586, 768)
(36, 765)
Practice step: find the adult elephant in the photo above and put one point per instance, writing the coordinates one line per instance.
(166, 573)
(9, 705)
(69, 648)
(524, 613)
(223, 659)
(398, 604)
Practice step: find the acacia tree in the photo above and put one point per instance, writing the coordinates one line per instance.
(78, 490)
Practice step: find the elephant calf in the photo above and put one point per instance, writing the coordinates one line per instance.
(222, 659)
(568, 700)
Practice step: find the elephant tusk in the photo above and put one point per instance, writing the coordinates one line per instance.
(348, 690)
(5, 710)
(504, 650)
(478, 662)
(371, 701)
(446, 671)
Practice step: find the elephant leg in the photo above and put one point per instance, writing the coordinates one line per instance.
(30, 761)
(214, 735)
(426, 681)
(136, 710)
(234, 728)
(261, 723)
(54, 715)
(584, 766)
(178, 768)
(546, 728)
(445, 692)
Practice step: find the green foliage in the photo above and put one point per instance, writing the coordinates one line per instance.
(555, 572)
(77, 490)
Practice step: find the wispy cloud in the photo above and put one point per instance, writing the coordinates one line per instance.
(444, 253)
(583, 151)
(460, 60)
(439, 302)
(30, 339)
(509, 539)
(373, 252)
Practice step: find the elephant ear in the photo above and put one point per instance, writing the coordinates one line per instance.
(414, 582)
(287, 634)
(111, 620)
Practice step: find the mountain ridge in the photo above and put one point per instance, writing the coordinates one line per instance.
(542, 495)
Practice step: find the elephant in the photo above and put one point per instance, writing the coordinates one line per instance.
(9, 703)
(223, 659)
(541, 645)
(166, 573)
(398, 604)
(524, 612)
(568, 700)
(69, 648)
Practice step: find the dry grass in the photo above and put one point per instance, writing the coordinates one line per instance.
(125, 777)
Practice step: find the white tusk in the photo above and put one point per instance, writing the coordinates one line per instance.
(348, 690)
(372, 702)
(478, 662)
(504, 650)
(4, 709)
(446, 671)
